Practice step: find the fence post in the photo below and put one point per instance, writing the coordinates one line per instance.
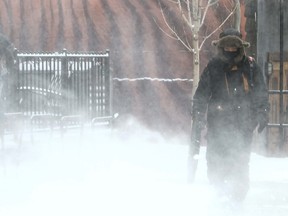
(16, 78)
(64, 83)
(108, 82)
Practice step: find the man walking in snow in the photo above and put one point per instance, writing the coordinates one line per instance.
(233, 92)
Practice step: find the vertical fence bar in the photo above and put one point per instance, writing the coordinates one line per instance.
(97, 88)
(102, 80)
(108, 85)
(86, 86)
(25, 85)
(54, 75)
(39, 86)
(93, 89)
(90, 89)
(31, 84)
(49, 85)
(78, 86)
(100, 87)
(17, 68)
(62, 67)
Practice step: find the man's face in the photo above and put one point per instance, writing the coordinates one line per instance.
(231, 52)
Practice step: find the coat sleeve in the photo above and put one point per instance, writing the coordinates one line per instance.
(202, 94)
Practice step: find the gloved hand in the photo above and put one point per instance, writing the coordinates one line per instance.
(263, 120)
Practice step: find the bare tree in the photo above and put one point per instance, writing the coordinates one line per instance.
(193, 14)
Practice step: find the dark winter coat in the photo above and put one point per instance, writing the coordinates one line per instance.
(235, 101)
(221, 91)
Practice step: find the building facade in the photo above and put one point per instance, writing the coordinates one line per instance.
(266, 26)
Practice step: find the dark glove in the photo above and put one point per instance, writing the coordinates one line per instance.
(262, 119)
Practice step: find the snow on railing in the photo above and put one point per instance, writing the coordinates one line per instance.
(42, 91)
(152, 79)
(64, 53)
(56, 65)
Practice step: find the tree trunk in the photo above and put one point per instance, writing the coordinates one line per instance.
(237, 15)
(196, 62)
(196, 65)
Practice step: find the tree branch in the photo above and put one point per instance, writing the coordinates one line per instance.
(209, 4)
(174, 35)
(231, 13)
(188, 20)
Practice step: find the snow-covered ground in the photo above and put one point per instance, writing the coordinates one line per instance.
(133, 171)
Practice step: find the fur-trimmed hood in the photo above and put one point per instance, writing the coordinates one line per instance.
(230, 38)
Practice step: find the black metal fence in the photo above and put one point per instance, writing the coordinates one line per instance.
(63, 85)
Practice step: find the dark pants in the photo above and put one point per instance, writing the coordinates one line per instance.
(228, 155)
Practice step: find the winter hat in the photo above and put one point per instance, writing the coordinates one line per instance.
(231, 38)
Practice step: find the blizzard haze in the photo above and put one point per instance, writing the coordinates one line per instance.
(127, 171)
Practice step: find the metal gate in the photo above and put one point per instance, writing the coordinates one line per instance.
(64, 84)
(277, 68)
(277, 134)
